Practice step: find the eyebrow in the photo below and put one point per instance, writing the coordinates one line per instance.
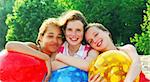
(53, 33)
(50, 33)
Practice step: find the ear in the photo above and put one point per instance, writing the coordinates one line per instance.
(40, 39)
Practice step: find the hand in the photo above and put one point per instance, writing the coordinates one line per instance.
(47, 78)
(97, 78)
(48, 65)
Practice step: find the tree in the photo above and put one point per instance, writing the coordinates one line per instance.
(142, 41)
(121, 17)
(27, 17)
(5, 8)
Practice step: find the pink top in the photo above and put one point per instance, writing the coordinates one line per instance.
(81, 53)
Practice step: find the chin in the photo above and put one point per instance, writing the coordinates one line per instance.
(74, 43)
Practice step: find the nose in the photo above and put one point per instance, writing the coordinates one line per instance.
(73, 33)
(94, 40)
(55, 40)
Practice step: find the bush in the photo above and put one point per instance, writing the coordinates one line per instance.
(27, 17)
(142, 41)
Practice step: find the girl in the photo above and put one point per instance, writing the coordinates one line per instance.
(73, 52)
(48, 41)
(100, 39)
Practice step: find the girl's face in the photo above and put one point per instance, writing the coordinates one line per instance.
(52, 39)
(98, 39)
(74, 32)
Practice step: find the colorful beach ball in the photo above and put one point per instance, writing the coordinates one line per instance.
(69, 74)
(18, 67)
(113, 65)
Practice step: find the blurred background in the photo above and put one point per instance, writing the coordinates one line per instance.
(128, 20)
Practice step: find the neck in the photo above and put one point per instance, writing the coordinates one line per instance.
(111, 47)
(73, 49)
(53, 55)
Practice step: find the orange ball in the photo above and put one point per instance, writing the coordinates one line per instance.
(113, 65)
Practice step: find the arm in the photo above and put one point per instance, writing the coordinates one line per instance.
(31, 44)
(135, 67)
(78, 62)
(23, 48)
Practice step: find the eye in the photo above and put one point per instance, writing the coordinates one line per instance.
(78, 30)
(60, 36)
(69, 29)
(96, 34)
(50, 36)
(90, 41)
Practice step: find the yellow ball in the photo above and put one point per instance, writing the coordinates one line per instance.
(113, 65)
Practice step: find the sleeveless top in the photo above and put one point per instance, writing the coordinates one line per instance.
(81, 53)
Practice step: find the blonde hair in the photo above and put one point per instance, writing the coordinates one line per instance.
(44, 26)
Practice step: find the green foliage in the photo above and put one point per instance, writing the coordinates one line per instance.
(27, 17)
(121, 17)
(5, 8)
(142, 41)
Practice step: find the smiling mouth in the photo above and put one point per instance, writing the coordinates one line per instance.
(99, 43)
(73, 39)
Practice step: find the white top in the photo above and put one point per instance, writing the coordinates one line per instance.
(81, 53)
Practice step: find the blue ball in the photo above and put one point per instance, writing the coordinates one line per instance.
(69, 74)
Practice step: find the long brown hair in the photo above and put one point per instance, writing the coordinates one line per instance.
(73, 15)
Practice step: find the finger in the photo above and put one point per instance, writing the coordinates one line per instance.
(99, 79)
(47, 78)
(91, 76)
(95, 77)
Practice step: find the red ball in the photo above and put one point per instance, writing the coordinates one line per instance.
(18, 67)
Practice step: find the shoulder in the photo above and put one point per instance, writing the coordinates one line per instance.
(127, 47)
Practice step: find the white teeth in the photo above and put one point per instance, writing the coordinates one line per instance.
(74, 39)
(99, 43)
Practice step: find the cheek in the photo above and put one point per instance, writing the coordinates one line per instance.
(60, 42)
(93, 45)
(80, 34)
(67, 32)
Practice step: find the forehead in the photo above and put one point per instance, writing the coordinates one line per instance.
(75, 23)
(53, 29)
(93, 29)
